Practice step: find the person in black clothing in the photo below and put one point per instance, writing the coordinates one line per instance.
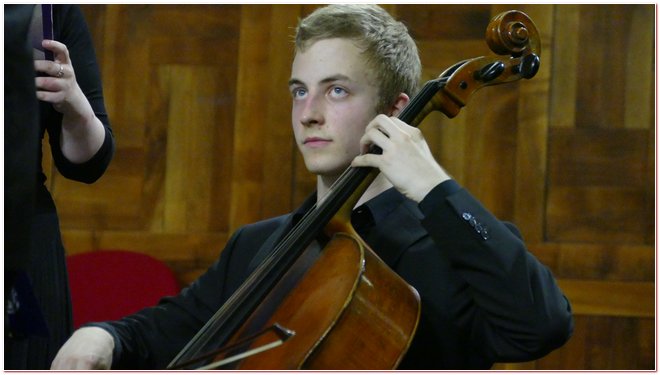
(72, 111)
(484, 297)
(21, 141)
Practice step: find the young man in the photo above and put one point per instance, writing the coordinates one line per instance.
(485, 298)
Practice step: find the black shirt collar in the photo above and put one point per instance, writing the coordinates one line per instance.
(376, 209)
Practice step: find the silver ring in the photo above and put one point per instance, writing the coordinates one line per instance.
(60, 73)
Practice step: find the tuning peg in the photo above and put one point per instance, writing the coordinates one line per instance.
(490, 71)
(528, 67)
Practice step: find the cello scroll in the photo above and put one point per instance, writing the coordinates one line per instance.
(514, 39)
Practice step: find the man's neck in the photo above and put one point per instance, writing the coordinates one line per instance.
(379, 185)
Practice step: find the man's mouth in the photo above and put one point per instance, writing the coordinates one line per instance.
(316, 142)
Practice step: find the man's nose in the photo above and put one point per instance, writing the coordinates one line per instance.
(312, 113)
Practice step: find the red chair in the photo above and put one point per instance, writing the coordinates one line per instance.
(110, 284)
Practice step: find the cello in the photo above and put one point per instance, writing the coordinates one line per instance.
(321, 298)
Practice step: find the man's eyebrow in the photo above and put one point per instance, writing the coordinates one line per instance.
(294, 81)
(333, 78)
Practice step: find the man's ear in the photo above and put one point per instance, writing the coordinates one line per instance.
(400, 102)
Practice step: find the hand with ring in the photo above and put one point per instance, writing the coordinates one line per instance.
(58, 83)
(82, 132)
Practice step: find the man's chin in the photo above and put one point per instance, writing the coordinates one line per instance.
(325, 170)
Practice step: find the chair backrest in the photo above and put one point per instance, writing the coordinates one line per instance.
(110, 284)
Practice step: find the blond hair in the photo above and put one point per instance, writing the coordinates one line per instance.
(387, 45)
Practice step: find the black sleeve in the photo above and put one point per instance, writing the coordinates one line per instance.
(151, 338)
(511, 305)
(72, 30)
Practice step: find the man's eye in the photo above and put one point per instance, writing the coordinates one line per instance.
(298, 92)
(338, 92)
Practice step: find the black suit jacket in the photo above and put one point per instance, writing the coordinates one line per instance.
(484, 297)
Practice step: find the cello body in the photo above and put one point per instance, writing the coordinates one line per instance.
(346, 301)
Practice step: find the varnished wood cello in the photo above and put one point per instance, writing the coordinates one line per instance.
(322, 299)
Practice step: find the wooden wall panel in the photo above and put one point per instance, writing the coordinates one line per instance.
(171, 100)
(198, 101)
(263, 139)
(594, 194)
